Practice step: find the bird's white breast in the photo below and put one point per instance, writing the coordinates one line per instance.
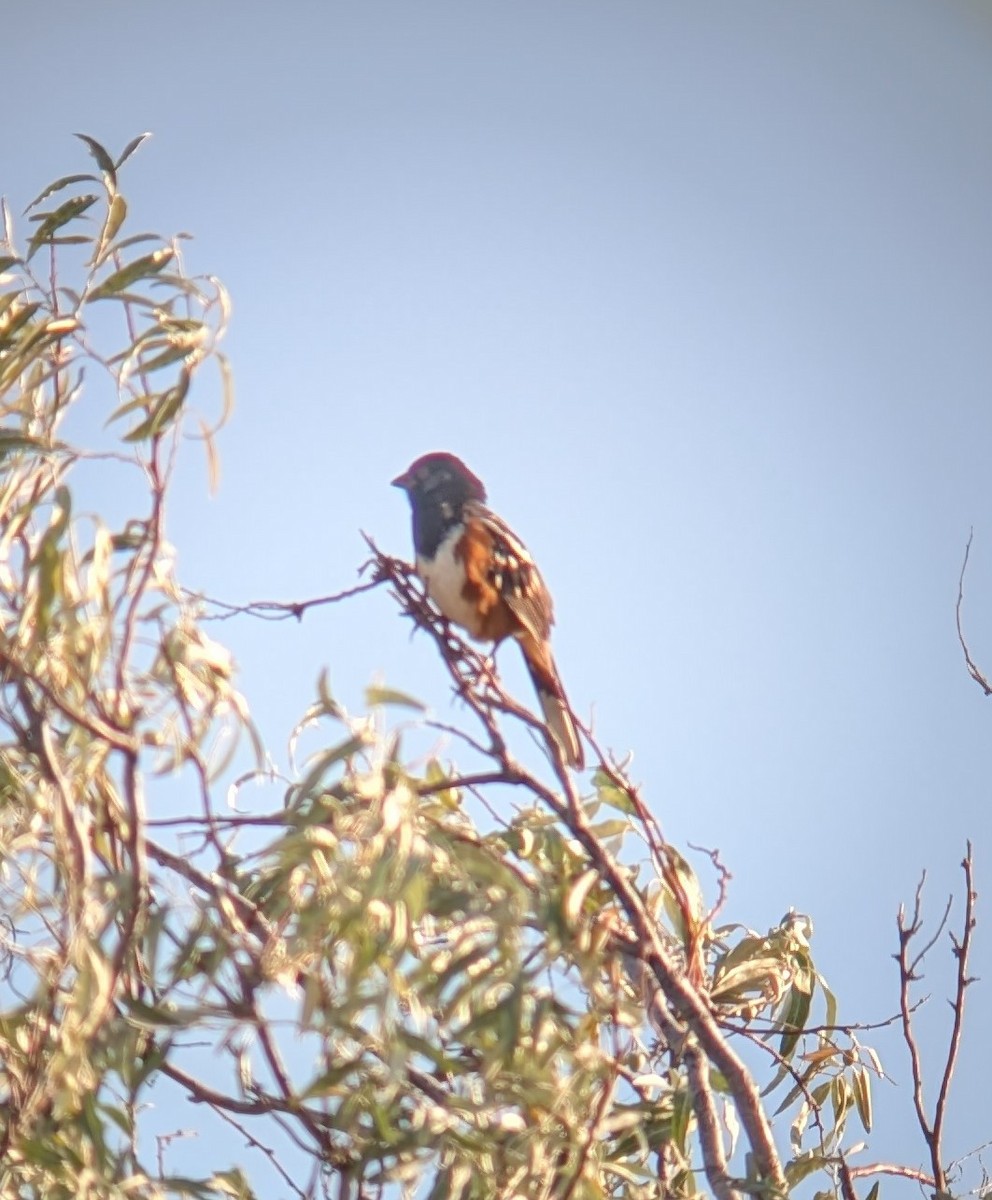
(444, 578)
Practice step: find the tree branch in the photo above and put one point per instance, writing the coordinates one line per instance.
(973, 669)
(961, 950)
(276, 610)
(933, 1131)
(708, 1124)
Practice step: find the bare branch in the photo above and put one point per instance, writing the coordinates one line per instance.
(275, 610)
(961, 951)
(773, 1027)
(973, 669)
(846, 1179)
(933, 1131)
(906, 934)
(896, 1169)
(269, 1153)
(710, 1136)
(202, 1093)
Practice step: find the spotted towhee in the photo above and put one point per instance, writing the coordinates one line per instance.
(479, 574)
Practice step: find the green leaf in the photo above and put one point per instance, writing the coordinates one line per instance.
(92, 1123)
(40, 1152)
(119, 1117)
(48, 562)
(873, 1191)
(449, 797)
(103, 159)
(185, 1186)
(327, 702)
(130, 148)
(58, 185)
(323, 762)
(141, 268)
(681, 1112)
(135, 239)
(801, 1083)
(610, 829)
(840, 1097)
(13, 439)
(145, 400)
(830, 1017)
(862, 1097)
(7, 260)
(173, 354)
(51, 223)
(19, 319)
(232, 1183)
(65, 181)
(8, 300)
(163, 413)
(63, 502)
(719, 1083)
(376, 695)
(610, 794)
(803, 1165)
(793, 1019)
(116, 214)
(329, 1082)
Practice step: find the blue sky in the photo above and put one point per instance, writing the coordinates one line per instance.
(704, 293)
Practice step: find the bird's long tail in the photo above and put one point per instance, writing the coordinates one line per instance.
(554, 702)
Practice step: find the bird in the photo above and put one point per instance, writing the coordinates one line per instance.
(483, 579)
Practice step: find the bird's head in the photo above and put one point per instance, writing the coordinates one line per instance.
(440, 474)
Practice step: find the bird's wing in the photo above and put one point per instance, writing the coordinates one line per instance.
(515, 575)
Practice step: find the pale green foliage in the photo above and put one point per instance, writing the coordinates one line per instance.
(389, 993)
(104, 671)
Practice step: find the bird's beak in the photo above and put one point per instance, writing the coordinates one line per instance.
(401, 481)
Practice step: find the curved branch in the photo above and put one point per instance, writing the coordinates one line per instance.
(895, 1169)
(275, 610)
(973, 669)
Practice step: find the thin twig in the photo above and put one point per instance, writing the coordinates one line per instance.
(162, 1143)
(895, 1169)
(428, 788)
(906, 976)
(724, 877)
(202, 1093)
(275, 610)
(269, 1153)
(214, 885)
(973, 669)
(775, 1027)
